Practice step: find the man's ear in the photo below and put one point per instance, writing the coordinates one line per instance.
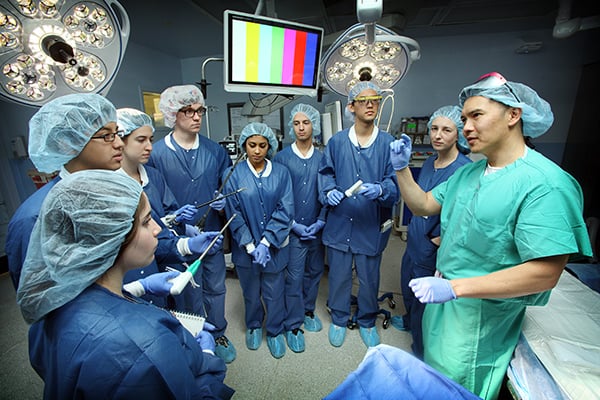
(514, 115)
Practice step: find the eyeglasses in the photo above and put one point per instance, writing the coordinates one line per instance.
(366, 99)
(110, 137)
(494, 80)
(189, 112)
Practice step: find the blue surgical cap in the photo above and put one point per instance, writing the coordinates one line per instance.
(359, 87)
(175, 98)
(258, 128)
(130, 119)
(311, 113)
(536, 115)
(60, 129)
(453, 114)
(83, 223)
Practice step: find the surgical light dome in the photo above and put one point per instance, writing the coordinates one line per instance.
(49, 48)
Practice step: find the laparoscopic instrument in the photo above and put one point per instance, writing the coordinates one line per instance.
(202, 221)
(169, 220)
(180, 282)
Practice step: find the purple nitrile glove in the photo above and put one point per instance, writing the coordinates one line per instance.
(334, 197)
(198, 244)
(186, 214)
(205, 339)
(191, 230)
(299, 229)
(261, 255)
(400, 151)
(315, 228)
(432, 290)
(158, 284)
(371, 190)
(219, 204)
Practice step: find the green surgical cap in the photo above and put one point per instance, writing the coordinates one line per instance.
(83, 223)
(60, 129)
(536, 115)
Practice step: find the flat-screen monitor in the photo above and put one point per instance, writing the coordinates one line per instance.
(267, 55)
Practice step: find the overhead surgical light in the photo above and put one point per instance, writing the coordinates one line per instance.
(49, 48)
(367, 51)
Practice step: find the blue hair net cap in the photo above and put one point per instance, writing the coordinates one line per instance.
(130, 119)
(311, 113)
(83, 223)
(60, 129)
(359, 87)
(536, 115)
(453, 113)
(258, 128)
(175, 98)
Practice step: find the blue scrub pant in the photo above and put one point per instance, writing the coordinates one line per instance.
(213, 290)
(340, 286)
(258, 287)
(414, 308)
(304, 272)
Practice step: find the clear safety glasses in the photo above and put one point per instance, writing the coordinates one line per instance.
(494, 80)
(364, 100)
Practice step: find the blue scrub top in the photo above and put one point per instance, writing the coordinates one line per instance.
(103, 346)
(355, 224)
(264, 210)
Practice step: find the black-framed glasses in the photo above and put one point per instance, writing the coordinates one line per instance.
(366, 99)
(189, 112)
(109, 137)
(493, 80)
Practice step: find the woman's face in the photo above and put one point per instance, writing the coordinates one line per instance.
(138, 145)
(443, 134)
(139, 252)
(257, 147)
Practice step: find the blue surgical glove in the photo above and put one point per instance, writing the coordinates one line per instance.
(261, 255)
(198, 244)
(400, 151)
(158, 284)
(432, 290)
(334, 197)
(219, 204)
(186, 214)
(191, 230)
(299, 229)
(205, 339)
(371, 190)
(315, 228)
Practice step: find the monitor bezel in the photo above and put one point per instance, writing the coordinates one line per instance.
(251, 87)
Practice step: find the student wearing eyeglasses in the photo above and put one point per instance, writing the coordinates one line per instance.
(68, 134)
(509, 224)
(192, 166)
(357, 227)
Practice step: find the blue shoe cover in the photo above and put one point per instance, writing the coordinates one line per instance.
(337, 334)
(276, 345)
(370, 336)
(224, 349)
(398, 323)
(295, 340)
(312, 323)
(253, 338)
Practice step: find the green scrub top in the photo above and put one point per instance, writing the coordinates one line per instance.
(527, 210)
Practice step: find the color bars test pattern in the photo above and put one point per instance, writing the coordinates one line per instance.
(273, 55)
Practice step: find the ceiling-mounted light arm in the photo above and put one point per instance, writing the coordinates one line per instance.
(566, 26)
(368, 13)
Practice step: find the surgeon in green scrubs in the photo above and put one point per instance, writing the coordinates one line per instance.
(509, 224)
